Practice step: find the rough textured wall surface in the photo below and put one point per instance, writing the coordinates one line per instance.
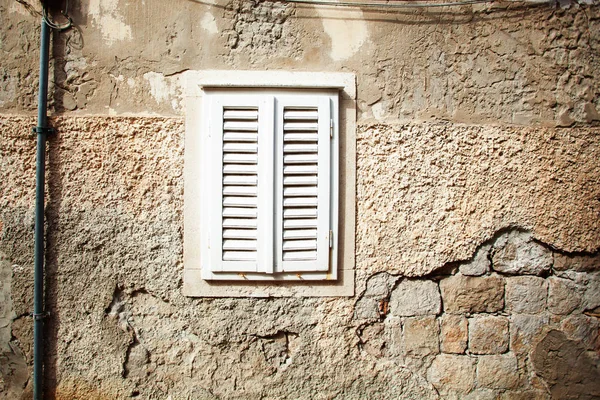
(429, 194)
(120, 326)
(478, 205)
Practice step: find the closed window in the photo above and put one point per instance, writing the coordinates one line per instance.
(262, 186)
(270, 166)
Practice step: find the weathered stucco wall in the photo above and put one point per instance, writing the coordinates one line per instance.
(501, 63)
(478, 211)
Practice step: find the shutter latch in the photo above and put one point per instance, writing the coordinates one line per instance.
(331, 128)
(331, 239)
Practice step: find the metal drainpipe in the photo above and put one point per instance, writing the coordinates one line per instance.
(40, 182)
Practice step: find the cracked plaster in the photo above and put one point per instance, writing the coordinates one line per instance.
(535, 68)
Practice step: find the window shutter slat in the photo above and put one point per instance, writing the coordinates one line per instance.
(231, 179)
(299, 256)
(311, 126)
(300, 234)
(230, 190)
(239, 245)
(299, 137)
(232, 201)
(299, 202)
(240, 147)
(241, 223)
(229, 125)
(244, 256)
(289, 170)
(299, 115)
(295, 245)
(300, 180)
(239, 212)
(239, 234)
(304, 158)
(290, 224)
(239, 114)
(305, 148)
(239, 137)
(240, 158)
(292, 212)
(240, 169)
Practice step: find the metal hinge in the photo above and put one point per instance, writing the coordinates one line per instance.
(331, 128)
(330, 239)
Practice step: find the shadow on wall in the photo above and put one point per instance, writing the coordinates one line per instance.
(518, 319)
(55, 185)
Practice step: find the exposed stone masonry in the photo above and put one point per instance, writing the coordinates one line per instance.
(472, 328)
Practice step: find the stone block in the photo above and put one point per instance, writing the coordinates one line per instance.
(454, 334)
(452, 373)
(525, 330)
(526, 294)
(421, 336)
(591, 297)
(583, 329)
(479, 265)
(517, 253)
(564, 296)
(378, 285)
(393, 332)
(465, 294)
(488, 334)
(372, 339)
(6, 309)
(367, 308)
(577, 263)
(415, 297)
(498, 371)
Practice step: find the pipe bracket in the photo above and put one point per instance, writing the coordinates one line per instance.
(40, 316)
(39, 129)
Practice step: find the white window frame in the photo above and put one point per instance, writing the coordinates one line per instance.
(289, 89)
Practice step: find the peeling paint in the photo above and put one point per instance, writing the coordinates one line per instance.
(209, 23)
(379, 111)
(164, 89)
(111, 24)
(346, 29)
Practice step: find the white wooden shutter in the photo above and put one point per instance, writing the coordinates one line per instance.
(241, 183)
(303, 183)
